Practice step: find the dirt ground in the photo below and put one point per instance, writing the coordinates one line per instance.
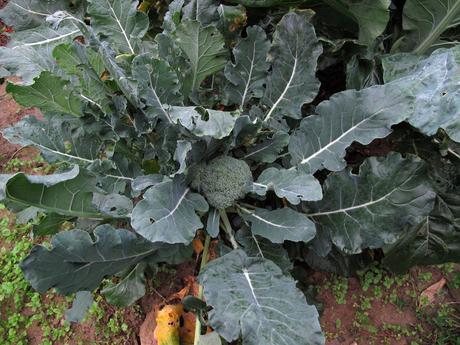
(10, 113)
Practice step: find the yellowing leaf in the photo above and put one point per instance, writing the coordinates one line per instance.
(168, 321)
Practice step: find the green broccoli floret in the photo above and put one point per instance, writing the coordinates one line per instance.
(222, 181)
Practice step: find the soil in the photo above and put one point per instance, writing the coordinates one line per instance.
(11, 113)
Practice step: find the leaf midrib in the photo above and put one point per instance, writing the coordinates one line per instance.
(440, 28)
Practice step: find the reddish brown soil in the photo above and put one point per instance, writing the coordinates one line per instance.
(340, 322)
(10, 113)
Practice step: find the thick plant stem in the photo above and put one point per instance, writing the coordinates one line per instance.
(204, 260)
(228, 228)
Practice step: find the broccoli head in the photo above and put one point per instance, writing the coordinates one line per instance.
(222, 181)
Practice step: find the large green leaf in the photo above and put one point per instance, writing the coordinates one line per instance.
(435, 240)
(49, 93)
(294, 54)
(167, 213)
(281, 225)
(251, 297)
(256, 246)
(113, 205)
(425, 21)
(58, 139)
(372, 17)
(248, 74)
(203, 11)
(84, 63)
(76, 262)
(204, 122)
(80, 306)
(438, 105)
(419, 97)
(295, 186)
(269, 149)
(27, 14)
(158, 85)
(118, 74)
(172, 17)
(370, 209)
(119, 22)
(204, 47)
(29, 52)
(129, 289)
(50, 224)
(321, 140)
(68, 193)
(127, 85)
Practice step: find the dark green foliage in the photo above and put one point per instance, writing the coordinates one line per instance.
(294, 104)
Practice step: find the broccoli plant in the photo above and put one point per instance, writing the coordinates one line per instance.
(226, 122)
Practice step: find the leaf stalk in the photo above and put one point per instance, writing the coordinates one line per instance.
(204, 260)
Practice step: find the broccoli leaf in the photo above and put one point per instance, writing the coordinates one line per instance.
(248, 75)
(204, 47)
(158, 85)
(29, 52)
(51, 94)
(69, 193)
(50, 224)
(432, 241)
(59, 139)
(370, 209)
(80, 305)
(268, 150)
(167, 213)
(28, 14)
(437, 104)
(251, 296)
(217, 124)
(203, 11)
(426, 98)
(212, 226)
(119, 22)
(76, 262)
(87, 65)
(294, 53)
(256, 246)
(129, 289)
(425, 21)
(372, 17)
(281, 225)
(294, 185)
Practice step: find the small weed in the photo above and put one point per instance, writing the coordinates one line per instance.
(425, 276)
(456, 281)
(47, 312)
(338, 324)
(340, 290)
